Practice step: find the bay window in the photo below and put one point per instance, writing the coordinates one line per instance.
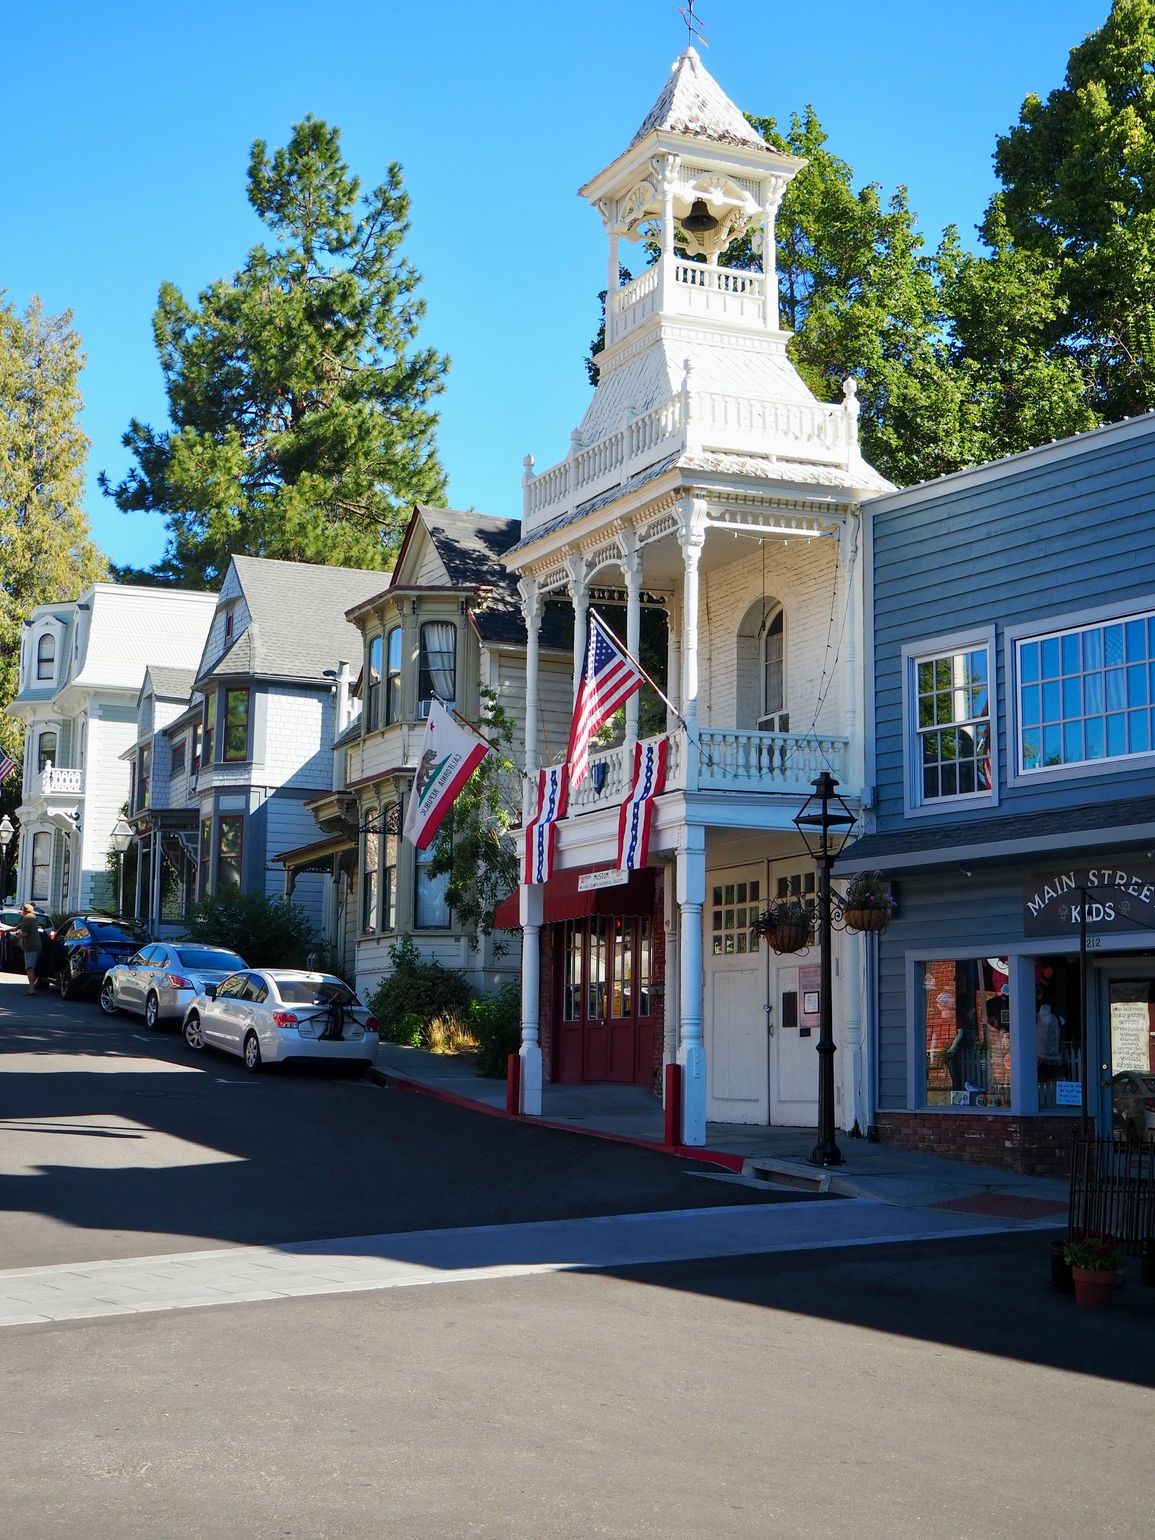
(393, 676)
(41, 867)
(236, 725)
(438, 676)
(373, 686)
(230, 847)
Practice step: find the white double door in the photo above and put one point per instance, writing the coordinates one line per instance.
(760, 1010)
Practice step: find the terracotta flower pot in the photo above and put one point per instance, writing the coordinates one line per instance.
(868, 919)
(1094, 1286)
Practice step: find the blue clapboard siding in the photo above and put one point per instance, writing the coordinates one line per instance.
(1048, 539)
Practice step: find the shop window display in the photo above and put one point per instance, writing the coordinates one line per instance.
(1058, 1033)
(967, 1032)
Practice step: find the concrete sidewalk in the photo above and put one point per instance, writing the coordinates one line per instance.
(903, 1177)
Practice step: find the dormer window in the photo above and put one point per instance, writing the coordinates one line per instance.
(46, 657)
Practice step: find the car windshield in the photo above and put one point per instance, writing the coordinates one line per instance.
(209, 962)
(106, 931)
(315, 992)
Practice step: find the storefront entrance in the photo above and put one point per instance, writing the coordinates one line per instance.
(1126, 1057)
(606, 1014)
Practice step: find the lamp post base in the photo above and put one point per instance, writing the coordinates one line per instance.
(825, 1153)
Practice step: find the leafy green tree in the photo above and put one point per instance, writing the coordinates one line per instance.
(45, 550)
(1078, 173)
(475, 846)
(301, 423)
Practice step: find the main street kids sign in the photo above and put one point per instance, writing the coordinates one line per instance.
(1118, 899)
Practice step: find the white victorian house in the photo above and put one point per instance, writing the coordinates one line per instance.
(82, 665)
(707, 481)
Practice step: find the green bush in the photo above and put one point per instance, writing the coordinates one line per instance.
(495, 1021)
(267, 932)
(416, 994)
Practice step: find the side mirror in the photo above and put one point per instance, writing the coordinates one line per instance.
(211, 991)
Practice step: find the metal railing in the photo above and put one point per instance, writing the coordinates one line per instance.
(1113, 1192)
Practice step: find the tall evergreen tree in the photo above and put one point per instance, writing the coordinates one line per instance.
(301, 424)
(45, 550)
(1078, 174)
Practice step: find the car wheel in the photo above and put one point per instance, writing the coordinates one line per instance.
(108, 999)
(193, 1032)
(152, 1013)
(252, 1051)
(64, 983)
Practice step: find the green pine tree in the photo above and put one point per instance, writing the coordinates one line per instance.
(301, 423)
(45, 550)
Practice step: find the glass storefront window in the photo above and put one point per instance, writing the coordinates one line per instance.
(966, 1018)
(1058, 1033)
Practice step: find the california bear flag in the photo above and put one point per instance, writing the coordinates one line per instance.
(449, 755)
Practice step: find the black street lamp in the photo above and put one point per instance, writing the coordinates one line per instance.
(821, 814)
(7, 830)
(120, 839)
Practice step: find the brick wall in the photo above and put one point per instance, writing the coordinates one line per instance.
(1040, 1145)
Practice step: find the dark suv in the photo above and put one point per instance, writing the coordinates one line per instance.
(87, 947)
(11, 952)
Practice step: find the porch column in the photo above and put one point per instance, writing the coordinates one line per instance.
(773, 188)
(855, 1094)
(156, 874)
(579, 594)
(848, 540)
(530, 1050)
(672, 994)
(140, 847)
(531, 606)
(632, 567)
(691, 889)
(667, 176)
(691, 537)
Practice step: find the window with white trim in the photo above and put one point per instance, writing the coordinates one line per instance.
(46, 656)
(1086, 694)
(952, 724)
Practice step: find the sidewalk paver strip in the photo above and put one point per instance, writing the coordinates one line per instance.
(1007, 1205)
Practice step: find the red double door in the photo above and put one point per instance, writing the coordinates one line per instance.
(606, 1006)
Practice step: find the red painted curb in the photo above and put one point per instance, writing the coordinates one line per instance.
(683, 1151)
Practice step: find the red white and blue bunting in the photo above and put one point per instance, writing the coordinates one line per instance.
(637, 810)
(541, 831)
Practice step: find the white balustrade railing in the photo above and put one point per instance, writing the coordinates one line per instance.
(722, 759)
(53, 779)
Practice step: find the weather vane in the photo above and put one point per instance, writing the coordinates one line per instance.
(694, 33)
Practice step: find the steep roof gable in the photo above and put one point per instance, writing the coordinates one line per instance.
(693, 103)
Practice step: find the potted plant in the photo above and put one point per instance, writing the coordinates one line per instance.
(1094, 1261)
(787, 923)
(867, 903)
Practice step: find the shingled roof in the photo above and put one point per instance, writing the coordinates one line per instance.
(170, 683)
(693, 103)
(297, 628)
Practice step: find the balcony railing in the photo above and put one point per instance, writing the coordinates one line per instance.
(54, 780)
(720, 759)
(728, 293)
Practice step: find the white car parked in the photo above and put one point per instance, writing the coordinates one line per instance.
(271, 1015)
(162, 980)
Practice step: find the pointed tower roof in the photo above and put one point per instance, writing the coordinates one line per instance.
(693, 103)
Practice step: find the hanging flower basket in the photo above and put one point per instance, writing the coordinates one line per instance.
(790, 937)
(867, 903)
(867, 919)
(787, 924)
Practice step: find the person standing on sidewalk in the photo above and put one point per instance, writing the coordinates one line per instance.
(30, 941)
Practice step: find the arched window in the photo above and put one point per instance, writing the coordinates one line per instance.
(774, 676)
(46, 657)
(45, 751)
(760, 668)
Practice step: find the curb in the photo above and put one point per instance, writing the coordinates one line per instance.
(682, 1151)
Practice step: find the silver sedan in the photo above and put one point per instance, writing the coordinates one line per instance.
(276, 1014)
(162, 979)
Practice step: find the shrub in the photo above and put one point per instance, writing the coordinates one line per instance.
(416, 994)
(266, 932)
(496, 1024)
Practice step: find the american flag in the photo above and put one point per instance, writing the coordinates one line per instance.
(608, 680)
(7, 765)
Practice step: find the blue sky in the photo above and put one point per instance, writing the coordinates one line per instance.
(128, 126)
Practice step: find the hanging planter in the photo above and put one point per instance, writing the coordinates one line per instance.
(867, 904)
(787, 924)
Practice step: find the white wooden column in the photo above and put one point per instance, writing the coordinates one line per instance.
(673, 663)
(579, 597)
(855, 1092)
(691, 537)
(772, 190)
(530, 1050)
(632, 567)
(691, 892)
(666, 169)
(531, 608)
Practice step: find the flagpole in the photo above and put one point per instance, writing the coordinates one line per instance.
(661, 694)
(476, 731)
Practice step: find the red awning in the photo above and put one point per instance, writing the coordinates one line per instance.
(564, 901)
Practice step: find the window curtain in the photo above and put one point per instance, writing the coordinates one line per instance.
(439, 642)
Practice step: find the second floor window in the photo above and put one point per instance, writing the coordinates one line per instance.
(393, 676)
(45, 751)
(230, 847)
(195, 762)
(144, 776)
(1086, 695)
(438, 661)
(774, 718)
(46, 657)
(236, 725)
(373, 686)
(207, 731)
(953, 725)
(178, 757)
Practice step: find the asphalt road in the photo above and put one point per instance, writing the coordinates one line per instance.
(925, 1390)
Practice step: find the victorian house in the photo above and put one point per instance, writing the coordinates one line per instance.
(82, 667)
(446, 625)
(707, 487)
